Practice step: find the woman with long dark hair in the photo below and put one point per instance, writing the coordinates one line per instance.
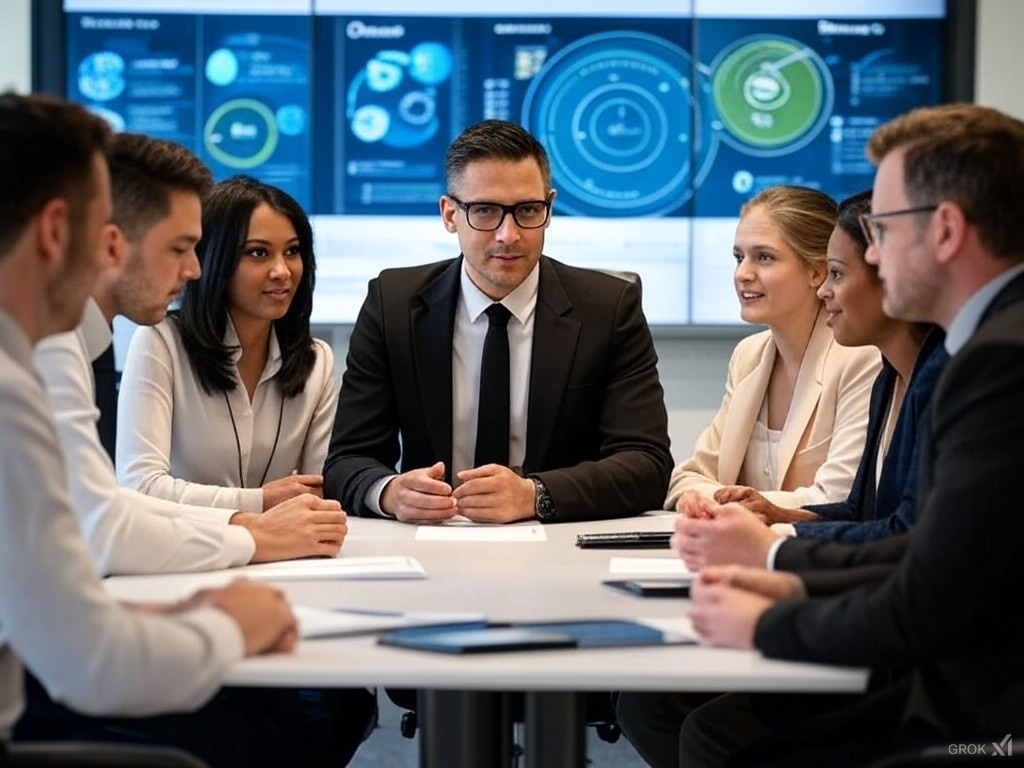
(230, 401)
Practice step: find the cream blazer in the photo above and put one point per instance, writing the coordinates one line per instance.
(823, 437)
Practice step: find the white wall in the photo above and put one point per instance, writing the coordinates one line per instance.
(692, 367)
(15, 52)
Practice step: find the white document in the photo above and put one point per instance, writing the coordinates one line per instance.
(662, 566)
(167, 587)
(397, 567)
(322, 622)
(464, 530)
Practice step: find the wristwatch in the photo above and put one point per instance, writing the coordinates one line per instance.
(543, 506)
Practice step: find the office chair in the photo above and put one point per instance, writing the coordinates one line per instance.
(71, 754)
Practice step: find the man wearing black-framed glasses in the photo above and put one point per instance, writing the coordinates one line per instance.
(501, 385)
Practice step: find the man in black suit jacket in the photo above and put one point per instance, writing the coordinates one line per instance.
(933, 611)
(588, 433)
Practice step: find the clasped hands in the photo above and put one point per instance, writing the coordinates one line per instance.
(728, 544)
(488, 494)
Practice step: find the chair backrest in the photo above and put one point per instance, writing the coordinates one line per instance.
(624, 274)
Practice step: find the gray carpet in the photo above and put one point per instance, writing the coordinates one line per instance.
(387, 748)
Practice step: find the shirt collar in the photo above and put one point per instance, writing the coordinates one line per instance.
(966, 321)
(273, 353)
(15, 341)
(521, 302)
(95, 331)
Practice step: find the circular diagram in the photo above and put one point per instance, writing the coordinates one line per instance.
(101, 76)
(393, 98)
(772, 94)
(627, 131)
(241, 133)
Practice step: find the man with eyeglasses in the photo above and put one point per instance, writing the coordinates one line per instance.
(933, 611)
(506, 385)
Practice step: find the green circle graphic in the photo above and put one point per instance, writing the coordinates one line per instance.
(770, 92)
(262, 154)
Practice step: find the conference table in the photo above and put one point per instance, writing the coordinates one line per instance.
(463, 707)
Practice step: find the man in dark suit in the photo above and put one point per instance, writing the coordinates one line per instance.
(932, 611)
(581, 430)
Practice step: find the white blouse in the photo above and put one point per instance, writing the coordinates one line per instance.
(177, 442)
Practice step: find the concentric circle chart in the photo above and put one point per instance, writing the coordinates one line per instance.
(772, 94)
(621, 121)
(241, 133)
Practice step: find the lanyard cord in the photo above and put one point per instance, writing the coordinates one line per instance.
(238, 442)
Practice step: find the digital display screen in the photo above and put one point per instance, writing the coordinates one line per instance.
(660, 117)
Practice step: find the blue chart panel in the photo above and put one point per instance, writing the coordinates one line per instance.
(240, 98)
(393, 97)
(257, 93)
(797, 99)
(626, 122)
(137, 71)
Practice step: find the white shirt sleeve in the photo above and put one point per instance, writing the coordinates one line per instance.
(89, 651)
(127, 532)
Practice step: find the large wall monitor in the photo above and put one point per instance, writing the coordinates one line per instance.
(660, 116)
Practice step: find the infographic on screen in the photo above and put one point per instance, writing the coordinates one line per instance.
(660, 119)
(236, 90)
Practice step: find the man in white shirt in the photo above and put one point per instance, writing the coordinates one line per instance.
(88, 650)
(148, 252)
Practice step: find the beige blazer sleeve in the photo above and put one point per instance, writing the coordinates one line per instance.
(719, 451)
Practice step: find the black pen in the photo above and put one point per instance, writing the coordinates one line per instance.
(625, 539)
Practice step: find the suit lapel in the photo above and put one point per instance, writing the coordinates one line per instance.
(747, 399)
(433, 326)
(806, 394)
(555, 335)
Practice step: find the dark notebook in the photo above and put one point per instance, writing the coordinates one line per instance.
(525, 636)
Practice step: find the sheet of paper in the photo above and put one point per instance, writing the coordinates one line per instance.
(662, 566)
(468, 531)
(322, 622)
(397, 567)
(165, 587)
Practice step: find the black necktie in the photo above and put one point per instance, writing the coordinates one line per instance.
(107, 379)
(493, 417)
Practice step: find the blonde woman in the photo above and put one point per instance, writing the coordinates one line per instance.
(792, 423)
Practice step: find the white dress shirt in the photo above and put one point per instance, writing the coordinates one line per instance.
(467, 359)
(177, 442)
(89, 651)
(127, 531)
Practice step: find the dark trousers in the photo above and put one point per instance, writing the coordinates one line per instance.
(796, 730)
(237, 728)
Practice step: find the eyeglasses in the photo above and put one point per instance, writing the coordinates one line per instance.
(874, 230)
(487, 217)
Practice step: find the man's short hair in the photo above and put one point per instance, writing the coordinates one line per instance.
(967, 154)
(47, 148)
(494, 140)
(144, 172)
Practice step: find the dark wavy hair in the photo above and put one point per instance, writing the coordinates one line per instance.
(202, 318)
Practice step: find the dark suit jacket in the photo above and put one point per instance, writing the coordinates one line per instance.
(949, 608)
(597, 429)
(873, 513)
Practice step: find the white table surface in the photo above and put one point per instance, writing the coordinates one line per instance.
(517, 581)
